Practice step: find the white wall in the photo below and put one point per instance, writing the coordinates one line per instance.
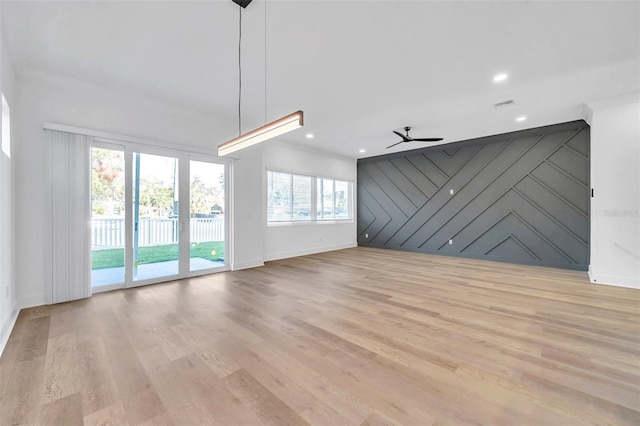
(248, 210)
(289, 240)
(8, 293)
(615, 177)
(55, 99)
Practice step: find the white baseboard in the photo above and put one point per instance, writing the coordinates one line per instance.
(613, 280)
(305, 252)
(7, 328)
(246, 264)
(32, 300)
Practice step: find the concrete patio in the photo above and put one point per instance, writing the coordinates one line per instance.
(107, 276)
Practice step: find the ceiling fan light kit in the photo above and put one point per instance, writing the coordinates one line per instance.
(268, 131)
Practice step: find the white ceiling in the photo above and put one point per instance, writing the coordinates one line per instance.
(359, 69)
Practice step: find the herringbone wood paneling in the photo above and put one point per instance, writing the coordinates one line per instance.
(521, 197)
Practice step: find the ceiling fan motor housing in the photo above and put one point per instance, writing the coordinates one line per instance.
(242, 3)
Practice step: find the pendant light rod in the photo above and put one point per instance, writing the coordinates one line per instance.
(268, 131)
(265, 61)
(240, 73)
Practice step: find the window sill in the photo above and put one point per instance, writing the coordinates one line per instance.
(309, 223)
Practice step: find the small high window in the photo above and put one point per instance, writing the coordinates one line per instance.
(6, 128)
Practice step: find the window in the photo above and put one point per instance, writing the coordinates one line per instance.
(325, 199)
(342, 205)
(300, 198)
(6, 128)
(279, 204)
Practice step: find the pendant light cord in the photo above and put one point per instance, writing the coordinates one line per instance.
(240, 73)
(265, 61)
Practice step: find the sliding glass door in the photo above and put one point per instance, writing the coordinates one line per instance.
(156, 236)
(107, 216)
(207, 216)
(169, 222)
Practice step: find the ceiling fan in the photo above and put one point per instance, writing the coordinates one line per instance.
(408, 138)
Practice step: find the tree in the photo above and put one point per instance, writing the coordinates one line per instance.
(156, 198)
(156, 194)
(107, 179)
(200, 195)
(203, 197)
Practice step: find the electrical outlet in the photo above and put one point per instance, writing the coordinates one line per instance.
(451, 191)
(366, 235)
(450, 241)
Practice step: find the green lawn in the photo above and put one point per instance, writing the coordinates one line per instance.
(114, 258)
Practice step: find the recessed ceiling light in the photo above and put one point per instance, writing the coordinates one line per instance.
(362, 151)
(309, 135)
(521, 118)
(500, 77)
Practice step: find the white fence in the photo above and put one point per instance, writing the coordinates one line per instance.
(109, 233)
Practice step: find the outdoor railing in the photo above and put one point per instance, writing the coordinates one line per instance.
(110, 233)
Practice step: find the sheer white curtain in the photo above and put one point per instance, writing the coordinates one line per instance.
(70, 217)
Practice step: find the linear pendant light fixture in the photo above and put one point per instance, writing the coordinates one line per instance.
(261, 134)
(268, 131)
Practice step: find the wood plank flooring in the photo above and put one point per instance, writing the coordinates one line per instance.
(352, 337)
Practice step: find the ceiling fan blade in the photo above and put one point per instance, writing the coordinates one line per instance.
(404, 138)
(395, 144)
(427, 139)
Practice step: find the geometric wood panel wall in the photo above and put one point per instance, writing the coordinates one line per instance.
(521, 197)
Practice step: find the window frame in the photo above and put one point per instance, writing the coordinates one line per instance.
(314, 218)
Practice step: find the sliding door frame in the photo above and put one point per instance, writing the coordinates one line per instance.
(184, 158)
(186, 179)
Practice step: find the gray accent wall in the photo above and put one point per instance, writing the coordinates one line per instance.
(520, 197)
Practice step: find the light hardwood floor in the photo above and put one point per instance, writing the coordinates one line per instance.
(354, 337)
